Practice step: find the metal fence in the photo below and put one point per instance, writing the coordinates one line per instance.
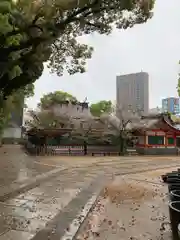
(75, 150)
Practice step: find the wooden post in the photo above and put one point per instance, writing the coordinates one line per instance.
(145, 139)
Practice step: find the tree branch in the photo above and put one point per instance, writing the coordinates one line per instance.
(17, 61)
(72, 17)
(59, 26)
(23, 30)
(97, 25)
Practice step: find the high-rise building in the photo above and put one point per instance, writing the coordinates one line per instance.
(132, 92)
(171, 105)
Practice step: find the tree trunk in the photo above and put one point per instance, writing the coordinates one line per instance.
(122, 146)
(1, 135)
(85, 148)
(2, 117)
(4, 114)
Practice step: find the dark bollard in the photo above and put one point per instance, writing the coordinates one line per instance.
(169, 176)
(173, 186)
(175, 195)
(173, 180)
(175, 175)
(174, 214)
(172, 173)
(179, 231)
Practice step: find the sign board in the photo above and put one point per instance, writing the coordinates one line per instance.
(150, 133)
(160, 133)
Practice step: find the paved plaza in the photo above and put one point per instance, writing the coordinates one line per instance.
(131, 207)
(41, 196)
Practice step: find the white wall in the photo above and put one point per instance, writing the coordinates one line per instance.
(12, 133)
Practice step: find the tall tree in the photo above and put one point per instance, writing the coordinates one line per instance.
(33, 32)
(121, 123)
(57, 97)
(47, 119)
(98, 108)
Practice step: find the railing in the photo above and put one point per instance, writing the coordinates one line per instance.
(75, 150)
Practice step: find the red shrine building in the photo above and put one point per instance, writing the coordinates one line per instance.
(157, 135)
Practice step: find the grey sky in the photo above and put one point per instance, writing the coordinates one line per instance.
(153, 47)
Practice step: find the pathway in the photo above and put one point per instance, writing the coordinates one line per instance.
(46, 209)
(132, 207)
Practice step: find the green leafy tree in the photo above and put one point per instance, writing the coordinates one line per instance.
(57, 97)
(34, 32)
(101, 107)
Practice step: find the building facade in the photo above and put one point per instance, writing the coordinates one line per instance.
(76, 110)
(171, 105)
(13, 131)
(156, 110)
(132, 91)
(158, 135)
(66, 114)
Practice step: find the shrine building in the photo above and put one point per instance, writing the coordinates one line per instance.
(157, 135)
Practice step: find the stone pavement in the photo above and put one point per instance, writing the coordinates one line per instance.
(28, 213)
(47, 210)
(132, 207)
(16, 166)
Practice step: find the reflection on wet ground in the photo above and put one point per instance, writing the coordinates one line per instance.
(130, 209)
(23, 216)
(16, 166)
(30, 212)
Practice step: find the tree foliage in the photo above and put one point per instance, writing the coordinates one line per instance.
(33, 32)
(47, 120)
(121, 124)
(101, 107)
(57, 97)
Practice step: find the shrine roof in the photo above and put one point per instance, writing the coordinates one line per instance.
(156, 121)
(56, 131)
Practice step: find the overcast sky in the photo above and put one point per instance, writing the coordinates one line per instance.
(153, 47)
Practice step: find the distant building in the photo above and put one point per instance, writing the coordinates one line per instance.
(78, 111)
(72, 109)
(171, 105)
(27, 117)
(13, 131)
(156, 110)
(76, 114)
(132, 91)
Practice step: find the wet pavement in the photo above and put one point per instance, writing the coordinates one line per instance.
(133, 207)
(16, 166)
(46, 211)
(30, 212)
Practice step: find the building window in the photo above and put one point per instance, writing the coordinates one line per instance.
(171, 141)
(156, 140)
